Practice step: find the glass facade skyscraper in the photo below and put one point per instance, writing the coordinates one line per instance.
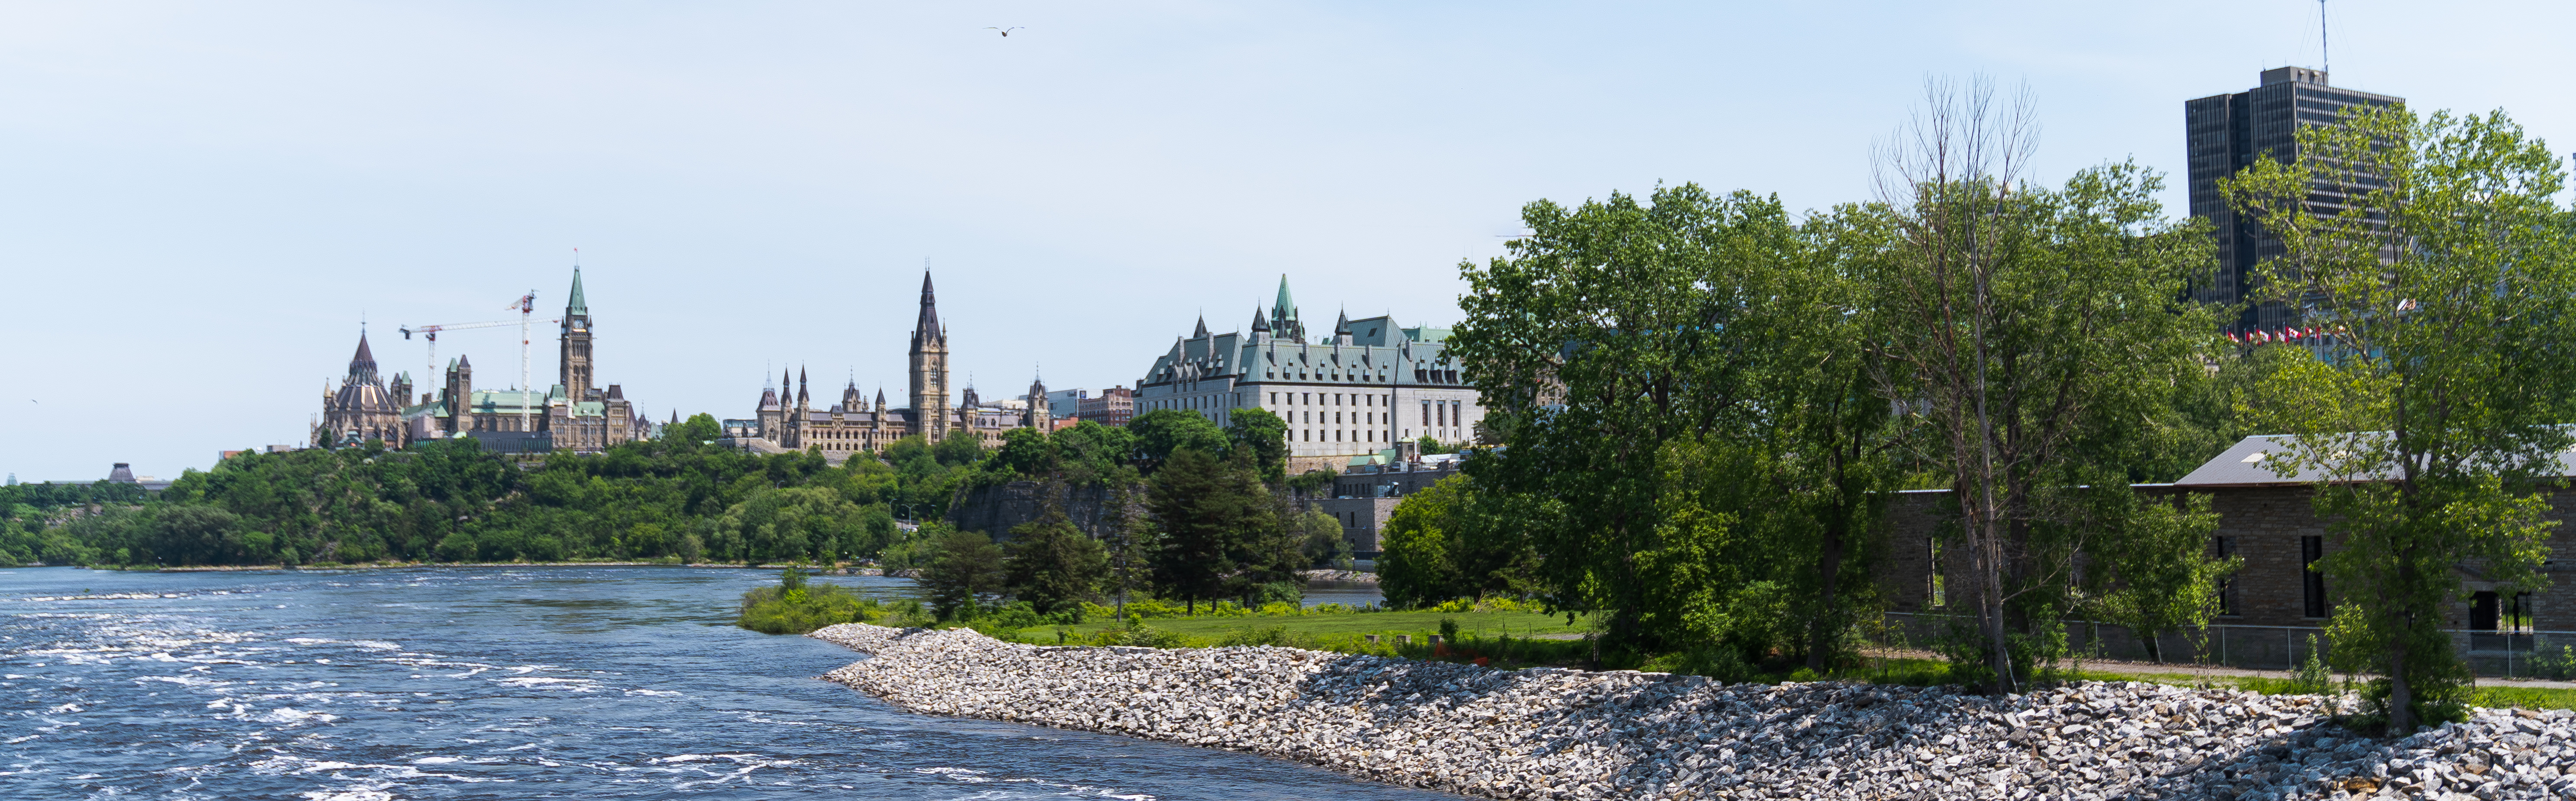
(2226, 134)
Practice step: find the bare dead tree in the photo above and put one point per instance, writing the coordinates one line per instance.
(1949, 174)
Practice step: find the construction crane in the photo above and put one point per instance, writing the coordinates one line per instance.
(526, 306)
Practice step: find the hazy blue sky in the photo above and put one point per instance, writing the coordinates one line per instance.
(198, 201)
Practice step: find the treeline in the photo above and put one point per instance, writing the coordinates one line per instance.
(673, 498)
(1708, 401)
(1198, 514)
(1216, 524)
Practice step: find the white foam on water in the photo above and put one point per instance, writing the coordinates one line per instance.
(548, 683)
(653, 692)
(288, 714)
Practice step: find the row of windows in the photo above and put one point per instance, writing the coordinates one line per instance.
(2347, 99)
(1309, 416)
(1328, 399)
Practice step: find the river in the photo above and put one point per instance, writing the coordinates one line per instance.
(578, 682)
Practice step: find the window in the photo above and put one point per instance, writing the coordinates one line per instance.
(1274, 399)
(2312, 549)
(2221, 548)
(1426, 413)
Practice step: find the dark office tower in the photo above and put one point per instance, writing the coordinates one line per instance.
(2227, 133)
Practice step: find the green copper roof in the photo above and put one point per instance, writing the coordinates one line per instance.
(576, 305)
(1287, 306)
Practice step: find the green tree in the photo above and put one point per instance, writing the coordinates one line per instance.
(1162, 431)
(965, 568)
(1324, 543)
(1649, 316)
(1456, 540)
(1131, 545)
(1053, 566)
(958, 449)
(1266, 436)
(2162, 575)
(1414, 568)
(2019, 321)
(1210, 510)
(2445, 289)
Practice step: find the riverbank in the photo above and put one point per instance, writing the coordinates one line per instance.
(1567, 734)
(836, 571)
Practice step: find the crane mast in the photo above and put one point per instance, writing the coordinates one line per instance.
(526, 306)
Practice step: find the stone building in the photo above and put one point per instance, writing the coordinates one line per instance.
(1365, 494)
(363, 407)
(574, 415)
(2277, 601)
(1113, 407)
(786, 422)
(1354, 392)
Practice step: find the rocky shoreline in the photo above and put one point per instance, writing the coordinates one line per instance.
(1566, 734)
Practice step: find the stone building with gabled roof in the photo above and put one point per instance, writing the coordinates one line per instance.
(574, 415)
(1348, 395)
(790, 422)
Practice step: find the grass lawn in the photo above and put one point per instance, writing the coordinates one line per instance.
(1470, 624)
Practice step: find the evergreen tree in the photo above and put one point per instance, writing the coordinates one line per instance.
(1212, 511)
(1052, 565)
(966, 567)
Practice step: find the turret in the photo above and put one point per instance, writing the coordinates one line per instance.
(460, 393)
(1260, 327)
(1040, 417)
(1342, 329)
(1283, 315)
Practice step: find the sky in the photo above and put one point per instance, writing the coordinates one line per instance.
(202, 203)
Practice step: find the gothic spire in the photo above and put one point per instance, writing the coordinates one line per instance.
(575, 304)
(1286, 308)
(928, 326)
(1201, 333)
(362, 367)
(1259, 323)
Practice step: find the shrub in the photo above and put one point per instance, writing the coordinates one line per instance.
(793, 607)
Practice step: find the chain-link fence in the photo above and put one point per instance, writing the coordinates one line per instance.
(2503, 652)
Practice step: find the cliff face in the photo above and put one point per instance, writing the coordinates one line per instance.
(994, 509)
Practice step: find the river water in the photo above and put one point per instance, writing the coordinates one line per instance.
(579, 682)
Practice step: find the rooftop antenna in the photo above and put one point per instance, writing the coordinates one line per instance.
(2324, 53)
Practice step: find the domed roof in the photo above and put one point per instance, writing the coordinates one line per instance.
(363, 396)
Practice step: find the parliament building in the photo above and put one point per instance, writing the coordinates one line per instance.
(574, 415)
(789, 422)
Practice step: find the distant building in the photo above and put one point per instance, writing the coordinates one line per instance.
(788, 422)
(123, 473)
(575, 415)
(1363, 497)
(1357, 391)
(1113, 407)
(2230, 132)
(1066, 403)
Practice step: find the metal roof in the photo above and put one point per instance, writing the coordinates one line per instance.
(2250, 463)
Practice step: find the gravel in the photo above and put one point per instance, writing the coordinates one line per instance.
(1567, 734)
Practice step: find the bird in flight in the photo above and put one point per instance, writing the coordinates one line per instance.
(1005, 31)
